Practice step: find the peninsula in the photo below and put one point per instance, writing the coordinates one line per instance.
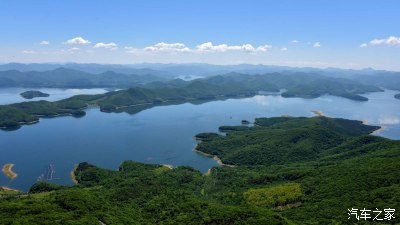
(287, 170)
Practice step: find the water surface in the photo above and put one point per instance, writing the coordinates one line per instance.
(12, 95)
(164, 134)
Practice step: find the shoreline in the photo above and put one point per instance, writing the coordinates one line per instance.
(318, 113)
(7, 170)
(72, 174)
(5, 188)
(214, 157)
(381, 128)
(378, 130)
(219, 161)
(168, 166)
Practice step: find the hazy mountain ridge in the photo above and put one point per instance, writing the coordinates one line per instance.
(63, 77)
(17, 74)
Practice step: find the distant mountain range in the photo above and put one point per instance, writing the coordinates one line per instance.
(113, 75)
(64, 78)
(172, 69)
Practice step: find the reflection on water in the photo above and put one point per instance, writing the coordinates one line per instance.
(163, 134)
(12, 95)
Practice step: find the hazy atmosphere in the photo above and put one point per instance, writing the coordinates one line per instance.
(345, 34)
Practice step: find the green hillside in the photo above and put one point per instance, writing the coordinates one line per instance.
(287, 170)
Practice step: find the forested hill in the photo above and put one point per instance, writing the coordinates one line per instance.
(175, 91)
(287, 170)
(70, 78)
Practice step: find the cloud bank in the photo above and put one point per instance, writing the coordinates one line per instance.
(389, 41)
(77, 41)
(317, 45)
(110, 45)
(207, 47)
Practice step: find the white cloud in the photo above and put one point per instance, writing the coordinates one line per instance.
(167, 47)
(209, 47)
(377, 42)
(263, 48)
(294, 41)
(131, 49)
(284, 49)
(111, 45)
(77, 41)
(392, 40)
(28, 52)
(44, 43)
(363, 45)
(74, 49)
(317, 45)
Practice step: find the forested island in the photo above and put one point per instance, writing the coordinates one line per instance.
(397, 96)
(33, 94)
(287, 170)
(233, 85)
(7, 170)
(245, 122)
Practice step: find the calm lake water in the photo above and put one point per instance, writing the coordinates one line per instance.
(12, 95)
(163, 134)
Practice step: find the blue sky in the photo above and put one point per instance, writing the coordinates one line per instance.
(328, 33)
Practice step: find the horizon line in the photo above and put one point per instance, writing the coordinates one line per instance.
(201, 63)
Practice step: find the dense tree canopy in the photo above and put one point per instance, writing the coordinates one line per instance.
(287, 171)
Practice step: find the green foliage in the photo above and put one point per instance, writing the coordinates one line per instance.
(44, 187)
(227, 129)
(245, 122)
(288, 171)
(278, 195)
(33, 94)
(281, 140)
(313, 87)
(206, 136)
(11, 117)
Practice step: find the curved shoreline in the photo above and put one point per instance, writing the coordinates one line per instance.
(378, 130)
(72, 174)
(381, 128)
(214, 157)
(7, 170)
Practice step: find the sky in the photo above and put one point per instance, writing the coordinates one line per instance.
(302, 33)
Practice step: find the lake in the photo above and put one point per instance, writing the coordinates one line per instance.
(163, 134)
(12, 95)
